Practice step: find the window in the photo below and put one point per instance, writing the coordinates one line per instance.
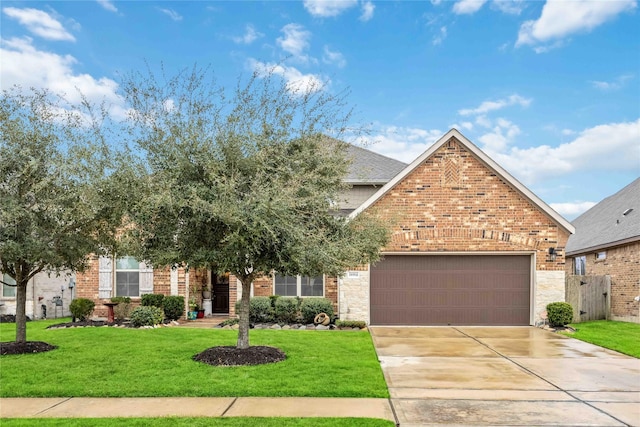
(580, 265)
(127, 277)
(303, 286)
(8, 291)
(601, 255)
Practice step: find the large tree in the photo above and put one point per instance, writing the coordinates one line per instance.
(61, 190)
(245, 182)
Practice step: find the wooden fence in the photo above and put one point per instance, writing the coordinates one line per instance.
(590, 297)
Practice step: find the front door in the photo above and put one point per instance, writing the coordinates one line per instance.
(220, 288)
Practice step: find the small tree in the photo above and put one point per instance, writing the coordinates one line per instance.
(60, 185)
(246, 183)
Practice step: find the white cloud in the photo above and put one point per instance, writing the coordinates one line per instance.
(467, 7)
(367, 11)
(39, 23)
(250, 35)
(560, 19)
(438, 38)
(54, 72)
(108, 5)
(328, 8)
(462, 125)
(171, 14)
(572, 209)
(500, 136)
(510, 7)
(295, 40)
(568, 132)
(616, 84)
(488, 106)
(401, 143)
(297, 82)
(605, 147)
(331, 57)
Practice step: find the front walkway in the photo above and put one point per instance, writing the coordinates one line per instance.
(505, 376)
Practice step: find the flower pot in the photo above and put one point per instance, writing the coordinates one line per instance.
(191, 315)
(200, 314)
(206, 294)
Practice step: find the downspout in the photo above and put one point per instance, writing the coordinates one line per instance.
(33, 298)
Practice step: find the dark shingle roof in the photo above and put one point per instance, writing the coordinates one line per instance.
(371, 168)
(606, 224)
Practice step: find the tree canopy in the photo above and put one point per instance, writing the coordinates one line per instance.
(62, 188)
(246, 182)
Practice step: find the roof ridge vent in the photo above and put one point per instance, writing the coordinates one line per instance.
(627, 212)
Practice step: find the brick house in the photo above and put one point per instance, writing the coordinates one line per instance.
(48, 295)
(471, 245)
(607, 242)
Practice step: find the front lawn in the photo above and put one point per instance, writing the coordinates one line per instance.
(112, 362)
(619, 336)
(197, 422)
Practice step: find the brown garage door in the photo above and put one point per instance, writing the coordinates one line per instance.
(451, 290)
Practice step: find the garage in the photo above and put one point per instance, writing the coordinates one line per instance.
(451, 290)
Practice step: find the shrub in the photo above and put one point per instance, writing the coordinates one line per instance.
(273, 299)
(260, 310)
(146, 316)
(311, 307)
(286, 310)
(81, 308)
(559, 313)
(230, 322)
(123, 309)
(351, 324)
(173, 307)
(151, 300)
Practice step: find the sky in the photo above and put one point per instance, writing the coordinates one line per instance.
(550, 90)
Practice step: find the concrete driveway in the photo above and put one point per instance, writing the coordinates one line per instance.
(505, 376)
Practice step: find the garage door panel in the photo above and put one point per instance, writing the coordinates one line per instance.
(451, 289)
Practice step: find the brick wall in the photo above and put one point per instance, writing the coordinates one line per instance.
(622, 263)
(453, 202)
(87, 285)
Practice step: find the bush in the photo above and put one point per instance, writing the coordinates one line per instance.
(351, 324)
(151, 300)
(559, 313)
(146, 316)
(173, 307)
(311, 307)
(81, 308)
(286, 310)
(123, 309)
(260, 310)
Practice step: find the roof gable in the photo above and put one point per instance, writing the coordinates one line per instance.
(483, 158)
(606, 224)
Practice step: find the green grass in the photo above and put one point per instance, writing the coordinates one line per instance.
(196, 422)
(118, 362)
(619, 336)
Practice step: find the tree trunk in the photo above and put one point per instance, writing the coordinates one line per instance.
(243, 324)
(21, 309)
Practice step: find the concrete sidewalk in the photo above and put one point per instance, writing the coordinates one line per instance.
(90, 407)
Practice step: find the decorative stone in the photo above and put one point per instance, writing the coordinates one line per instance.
(226, 327)
(321, 328)
(236, 326)
(302, 327)
(276, 326)
(286, 327)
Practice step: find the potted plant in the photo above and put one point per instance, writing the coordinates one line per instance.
(193, 308)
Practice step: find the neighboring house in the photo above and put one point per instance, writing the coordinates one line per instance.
(470, 246)
(43, 289)
(607, 242)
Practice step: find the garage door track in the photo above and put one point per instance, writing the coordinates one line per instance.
(517, 376)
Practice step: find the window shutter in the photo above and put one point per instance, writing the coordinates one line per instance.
(146, 279)
(105, 277)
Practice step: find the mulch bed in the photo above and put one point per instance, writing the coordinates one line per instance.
(233, 356)
(28, 347)
(85, 323)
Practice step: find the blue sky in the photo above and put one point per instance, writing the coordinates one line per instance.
(550, 90)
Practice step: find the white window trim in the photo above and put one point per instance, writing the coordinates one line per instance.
(299, 287)
(117, 270)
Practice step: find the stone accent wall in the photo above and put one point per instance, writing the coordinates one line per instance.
(354, 296)
(453, 202)
(547, 290)
(622, 263)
